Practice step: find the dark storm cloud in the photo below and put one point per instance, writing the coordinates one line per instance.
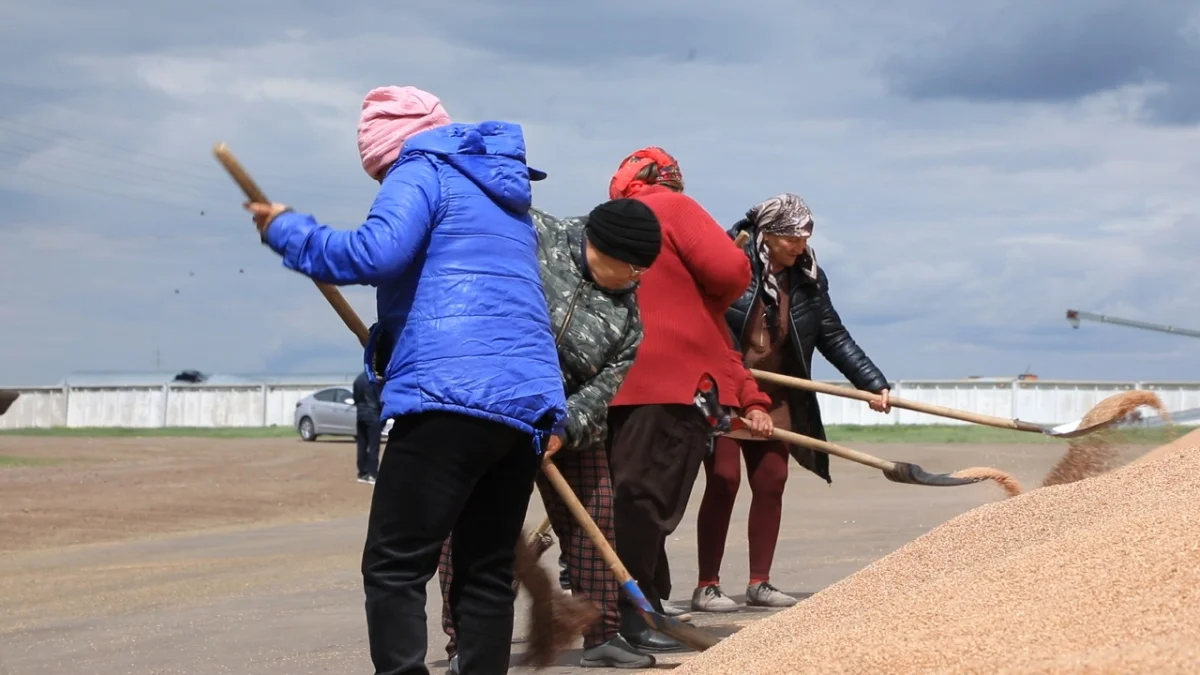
(1058, 53)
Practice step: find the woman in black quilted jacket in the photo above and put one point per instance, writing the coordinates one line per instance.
(782, 318)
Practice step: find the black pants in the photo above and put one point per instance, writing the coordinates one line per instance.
(662, 573)
(367, 434)
(655, 452)
(444, 472)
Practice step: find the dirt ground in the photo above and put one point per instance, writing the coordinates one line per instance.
(175, 555)
(93, 490)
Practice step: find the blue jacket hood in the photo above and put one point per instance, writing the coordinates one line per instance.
(491, 154)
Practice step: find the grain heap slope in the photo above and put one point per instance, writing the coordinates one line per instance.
(1096, 576)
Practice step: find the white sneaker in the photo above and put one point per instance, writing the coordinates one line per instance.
(712, 599)
(763, 594)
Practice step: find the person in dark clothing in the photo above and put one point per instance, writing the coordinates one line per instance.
(369, 427)
(779, 321)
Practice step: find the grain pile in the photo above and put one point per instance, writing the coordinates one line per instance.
(1100, 575)
(1176, 448)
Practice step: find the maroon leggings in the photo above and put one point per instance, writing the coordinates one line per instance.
(767, 469)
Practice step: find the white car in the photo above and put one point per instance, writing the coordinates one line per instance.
(329, 412)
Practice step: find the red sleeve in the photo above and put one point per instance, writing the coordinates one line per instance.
(720, 268)
(749, 396)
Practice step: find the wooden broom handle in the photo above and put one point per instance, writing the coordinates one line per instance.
(255, 194)
(599, 541)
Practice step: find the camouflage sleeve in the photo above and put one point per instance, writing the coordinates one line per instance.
(587, 408)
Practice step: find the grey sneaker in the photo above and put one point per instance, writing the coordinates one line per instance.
(616, 653)
(453, 666)
(712, 599)
(763, 594)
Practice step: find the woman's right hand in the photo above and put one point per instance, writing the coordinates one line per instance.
(264, 214)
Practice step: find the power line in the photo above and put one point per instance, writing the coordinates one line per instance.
(163, 183)
(199, 170)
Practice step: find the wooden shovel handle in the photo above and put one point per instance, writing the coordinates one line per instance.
(896, 402)
(563, 488)
(830, 448)
(227, 159)
(255, 194)
(345, 312)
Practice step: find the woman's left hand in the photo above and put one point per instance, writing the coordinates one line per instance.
(882, 404)
(264, 214)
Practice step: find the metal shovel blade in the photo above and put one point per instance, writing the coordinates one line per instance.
(7, 397)
(1133, 421)
(897, 472)
(685, 633)
(911, 474)
(1074, 429)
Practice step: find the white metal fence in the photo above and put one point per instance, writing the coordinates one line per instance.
(201, 405)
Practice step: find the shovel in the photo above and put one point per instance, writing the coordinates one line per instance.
(897, 472)
(690, 635)
(7, 397)
(1065, 430)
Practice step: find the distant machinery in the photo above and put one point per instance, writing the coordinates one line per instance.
(1074, 316)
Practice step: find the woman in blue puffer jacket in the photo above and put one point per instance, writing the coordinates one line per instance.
(465, 351)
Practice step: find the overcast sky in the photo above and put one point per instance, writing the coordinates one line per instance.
(975, 169)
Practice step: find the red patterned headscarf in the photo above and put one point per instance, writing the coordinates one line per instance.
(624, 183)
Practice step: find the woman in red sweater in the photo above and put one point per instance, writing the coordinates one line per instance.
(685, 380)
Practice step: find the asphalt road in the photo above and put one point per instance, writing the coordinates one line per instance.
(287, 599)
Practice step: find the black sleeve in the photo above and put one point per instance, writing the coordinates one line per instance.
(840, 349)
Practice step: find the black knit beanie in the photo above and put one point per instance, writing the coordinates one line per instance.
(625, 229)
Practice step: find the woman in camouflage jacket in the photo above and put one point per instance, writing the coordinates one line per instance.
(589, 270)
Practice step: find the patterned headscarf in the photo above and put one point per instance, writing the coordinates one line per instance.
(624, 182)
(785, 215)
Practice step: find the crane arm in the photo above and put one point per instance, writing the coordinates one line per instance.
(1074, 316)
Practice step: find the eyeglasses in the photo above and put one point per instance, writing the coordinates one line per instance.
(635, 270)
